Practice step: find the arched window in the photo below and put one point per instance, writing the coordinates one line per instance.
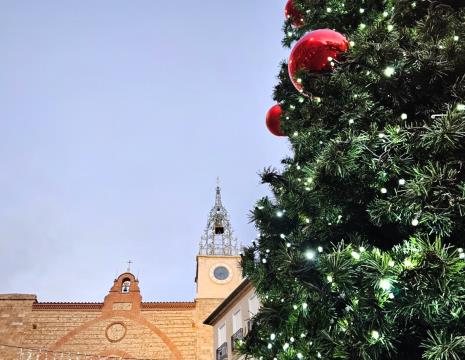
(126, 285)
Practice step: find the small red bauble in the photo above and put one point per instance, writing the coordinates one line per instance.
(297, 18)
(315, 53)
(273, 120)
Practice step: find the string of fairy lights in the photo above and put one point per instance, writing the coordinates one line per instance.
(29, 353)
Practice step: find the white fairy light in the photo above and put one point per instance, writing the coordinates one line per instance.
(355, 255)
(272, 336)
(270, 345)
(300, 356)
(383, 190)
(351, 121)
(279, 213)
(362, 26)
(385, 284)
(329, 278)
(401, 181)
(415, 222)
(282, 236)
(320, 249)
(389, 71)
(361, 10)
(304, 305)
(403, 116)
(328, 9)
(285, 346)
(352, 43)
(460, 107)
(390, 27)
(288, 245)
(375, 334)
(408, 263)
(310, 254)
(292, 339)
(391, 263)
(264, 261)
(385, 14)
(456, 38)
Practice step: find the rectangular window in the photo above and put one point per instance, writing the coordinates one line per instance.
(237, 321)
(221, 334)
(253, 305)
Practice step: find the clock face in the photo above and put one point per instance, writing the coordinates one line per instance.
(221, 273)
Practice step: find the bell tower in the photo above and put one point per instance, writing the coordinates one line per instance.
(218, 266)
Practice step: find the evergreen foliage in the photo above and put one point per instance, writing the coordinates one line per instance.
(359, 250)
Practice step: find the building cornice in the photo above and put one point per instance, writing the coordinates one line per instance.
(69, 306)
(243, 287)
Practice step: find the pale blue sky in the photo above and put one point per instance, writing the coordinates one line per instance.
(115, 119)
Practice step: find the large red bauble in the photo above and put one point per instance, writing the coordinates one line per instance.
(297, 18)
(314, 52)
(273, 120)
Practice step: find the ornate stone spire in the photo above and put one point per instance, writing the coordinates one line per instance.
(218, 238)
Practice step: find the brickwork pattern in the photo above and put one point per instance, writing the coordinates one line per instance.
(162, 331)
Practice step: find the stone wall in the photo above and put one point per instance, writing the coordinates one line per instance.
(121, 326)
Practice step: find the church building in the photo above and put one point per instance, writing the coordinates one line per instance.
(124, 326)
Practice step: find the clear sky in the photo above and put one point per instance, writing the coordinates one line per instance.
(116, 117)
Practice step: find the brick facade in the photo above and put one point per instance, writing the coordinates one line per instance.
(121, 326)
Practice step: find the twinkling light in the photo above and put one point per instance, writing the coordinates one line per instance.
(329, 278)
(401, 181)
(460, 107)
(375, 334)
(300, 356)
(304, 306)
(270, 345)
(361, 249)
(415, 222)
(355, 255)
(362, 26)
(279, 213)
(383, 190)
(385, 284)
(310, 254)
(272, 336)
(403, 116)
(361, 10)
(390, 27)
(320, 249)
(285, 346)
(385, 14)
(282, 236)
(295, 134)
(389, 71)
(391, 263)
(351, 121)
(352, 43)
(408, 263)
(456, 38)
(264, 261)
(292, 339)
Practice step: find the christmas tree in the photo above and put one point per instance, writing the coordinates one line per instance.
(358, 253)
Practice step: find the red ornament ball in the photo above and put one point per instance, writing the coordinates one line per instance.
(273, 120)
(315, 52)
(297, 18)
